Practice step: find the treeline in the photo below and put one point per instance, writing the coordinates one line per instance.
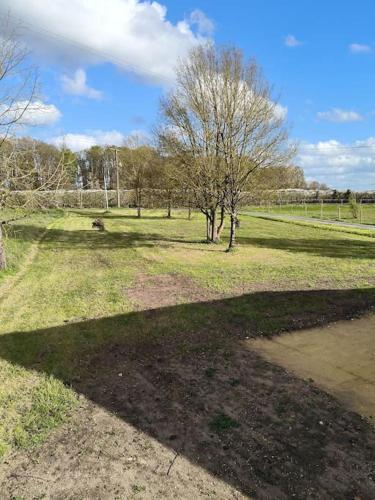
(27, 164)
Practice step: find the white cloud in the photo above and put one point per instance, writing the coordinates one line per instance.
(134, 35)
(280, 111)
(292, 41)
(77, 85)
(358, 48)
(78, 142)
(337, 115)
(340, 165)
(31, 114)
(204, 24)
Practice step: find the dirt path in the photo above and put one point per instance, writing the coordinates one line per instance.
(339, 357)
(280, 217)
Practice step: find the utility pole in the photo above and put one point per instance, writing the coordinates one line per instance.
(105, 189)
(117, 179)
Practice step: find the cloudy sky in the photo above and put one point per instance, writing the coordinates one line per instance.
(105, 63)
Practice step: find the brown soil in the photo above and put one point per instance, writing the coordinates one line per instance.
(162, 290)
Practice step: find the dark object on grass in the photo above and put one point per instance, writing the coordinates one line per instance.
(98, 224)
(237, 222)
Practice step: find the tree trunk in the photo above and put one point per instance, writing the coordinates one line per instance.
(232, 236)
(213, 226)
(221, 225)
(3, 262)
(208, 227)
(139, 204)
(169, 207)
(189, 211)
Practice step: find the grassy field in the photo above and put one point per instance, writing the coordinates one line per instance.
(329, 211)
(152, 281)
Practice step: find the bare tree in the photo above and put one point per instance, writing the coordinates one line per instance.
(18, 80)
(17, 90)
(191, 133)
(138, 159)
(222, 121)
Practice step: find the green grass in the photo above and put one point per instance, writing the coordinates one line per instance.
(20, 235)
(329, 211)
(75, 296)
(319, 224)
(222, 423)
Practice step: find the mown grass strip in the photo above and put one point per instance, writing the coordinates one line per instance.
(316, 225)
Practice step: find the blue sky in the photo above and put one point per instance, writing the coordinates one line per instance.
(104, 65)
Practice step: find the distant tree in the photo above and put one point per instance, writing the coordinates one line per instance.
(353, 205)
(138, 159)
(95, 175)
(347, 194)
(317, 186)
(273, 178)
(313, 185)
(166, 178)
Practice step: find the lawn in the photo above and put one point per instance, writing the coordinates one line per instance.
(327, 211)
(86, 301)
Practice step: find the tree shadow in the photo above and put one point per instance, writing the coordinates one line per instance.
(323, 247)
(113, 216)
(91, 238)
(189, 381)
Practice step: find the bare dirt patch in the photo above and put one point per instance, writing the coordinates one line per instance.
(162, 290)
(99, 456)
(214, 421)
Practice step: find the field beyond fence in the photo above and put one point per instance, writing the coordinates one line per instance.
(362, 212)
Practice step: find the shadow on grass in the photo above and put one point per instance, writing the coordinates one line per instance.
(115, 216)
(325, 247)
(337, 248)
(189, 381)
(91, 238)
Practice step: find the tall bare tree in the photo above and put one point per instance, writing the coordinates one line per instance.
(221, 120)
(191, 133)
(17, 90)
(18, 80)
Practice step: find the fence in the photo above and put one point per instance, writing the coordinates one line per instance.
(362, 211)
(282, 201)
(93, 198)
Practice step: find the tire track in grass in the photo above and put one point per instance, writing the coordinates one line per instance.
(14, 280)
